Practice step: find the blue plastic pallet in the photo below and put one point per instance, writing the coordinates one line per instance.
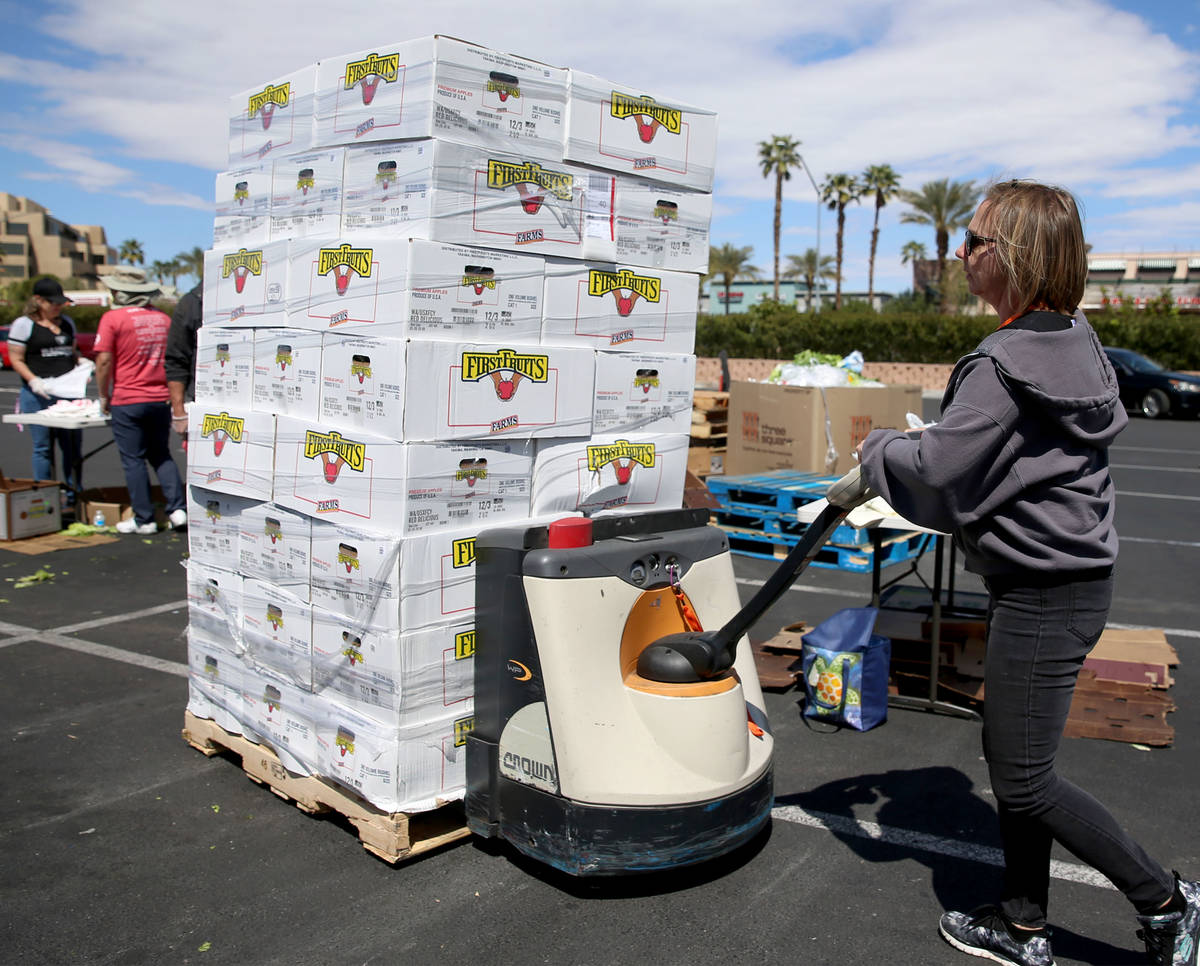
(768, 546)
(786, 526)
(781, 491)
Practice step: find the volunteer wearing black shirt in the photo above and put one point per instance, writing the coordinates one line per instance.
(41, 346)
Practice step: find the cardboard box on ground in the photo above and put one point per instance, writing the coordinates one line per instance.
(28, 508)
(814, 429)
(113, 502)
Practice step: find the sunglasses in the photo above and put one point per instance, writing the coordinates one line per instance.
(972, 241)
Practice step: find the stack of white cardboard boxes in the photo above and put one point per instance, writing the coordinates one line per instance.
(450, 288)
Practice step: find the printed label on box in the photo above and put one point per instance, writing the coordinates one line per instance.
(362, 384)
(243, 206)
(225, 365)
(306, 195)
(231, 450)
(246, 286)
(602, 475)
(287, 372)
(275, 118)
(643, 393)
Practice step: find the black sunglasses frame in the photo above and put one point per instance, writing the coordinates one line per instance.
(971, 240)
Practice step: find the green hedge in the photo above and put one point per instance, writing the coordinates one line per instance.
(771, 330)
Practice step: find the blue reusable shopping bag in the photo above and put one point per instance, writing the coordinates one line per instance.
(846, 670)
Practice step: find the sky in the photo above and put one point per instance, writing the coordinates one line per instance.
(116, 113)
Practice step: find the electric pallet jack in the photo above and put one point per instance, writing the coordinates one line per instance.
(612, 733)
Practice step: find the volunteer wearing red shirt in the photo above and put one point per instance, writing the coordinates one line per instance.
(130, 345)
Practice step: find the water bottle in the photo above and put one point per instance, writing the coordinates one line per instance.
(98, 520)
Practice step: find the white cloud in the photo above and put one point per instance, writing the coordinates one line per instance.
(1072, 91)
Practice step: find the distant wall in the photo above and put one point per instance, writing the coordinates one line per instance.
(931, 377)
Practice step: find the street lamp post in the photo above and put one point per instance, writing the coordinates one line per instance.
(817, 270)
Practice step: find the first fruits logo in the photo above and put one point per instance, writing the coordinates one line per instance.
(621, 282)
(222, 427)
(506, 368)
(647, 113)
(370, 71)
(623, 455)
(241, 265)
(334, 452)
(344, 261)
(264, 102)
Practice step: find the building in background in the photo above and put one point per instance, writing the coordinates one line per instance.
(744, 293)
(34, 242)
(1140, 277)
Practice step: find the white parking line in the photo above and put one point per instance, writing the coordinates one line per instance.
(1160, 469)
(924, 842)
(1156, 496)
(804, 588)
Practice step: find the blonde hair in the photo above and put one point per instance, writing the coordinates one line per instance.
(1039, 242)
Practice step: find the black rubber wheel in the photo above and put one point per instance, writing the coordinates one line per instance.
(1155, 404)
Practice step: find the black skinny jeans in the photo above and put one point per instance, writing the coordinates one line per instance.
(1037, 640)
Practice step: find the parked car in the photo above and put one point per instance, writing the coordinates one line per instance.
(1149, 389)
(85, 342)
(4, 363)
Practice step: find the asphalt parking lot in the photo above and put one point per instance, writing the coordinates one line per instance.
(119, 843)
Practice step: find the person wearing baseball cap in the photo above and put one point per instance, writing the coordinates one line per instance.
(41, 346)
(131, 344)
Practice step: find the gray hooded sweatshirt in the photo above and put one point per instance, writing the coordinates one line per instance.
(1017, 466)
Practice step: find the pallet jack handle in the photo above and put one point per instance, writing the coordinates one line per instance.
(692, 656)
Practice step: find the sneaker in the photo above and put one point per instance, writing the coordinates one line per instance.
(987, 934)
(1173, 938)
(132, 526)
(177, 519)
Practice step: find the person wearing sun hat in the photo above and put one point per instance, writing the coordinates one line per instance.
(41, 346)
(130, 346)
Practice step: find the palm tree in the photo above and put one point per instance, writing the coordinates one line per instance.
(131, 252)
(729, 263)
(778, 156)
(191, 263)
(885, 183)
(913, 251)
(160, 270)
(805, 268)
(944, 205)
(837, 192)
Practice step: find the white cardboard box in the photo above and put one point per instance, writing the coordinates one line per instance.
(214, 524)
(275, 545)
(627, 130)
(246, 286)
(470, 483)
(356, 574)
(358, 286)
(419, 288)
(462, 294)
(306, 194)
(478, 391)
(243, 206)
(644, 393)
(342, 475)
(274, 118)
(284, 717)
(466, 195)
(214, 597)
(277, 630)
(437, 578)
(396, 679)
(215, 680)
(661, 226)
(610, 474)
(445, 88)
(225, 366)
(287, 372)
(29, 508)
(619, 307)
(414, 768)
(362, 383)
(231, 450)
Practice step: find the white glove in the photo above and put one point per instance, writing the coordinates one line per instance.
(38, 387)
